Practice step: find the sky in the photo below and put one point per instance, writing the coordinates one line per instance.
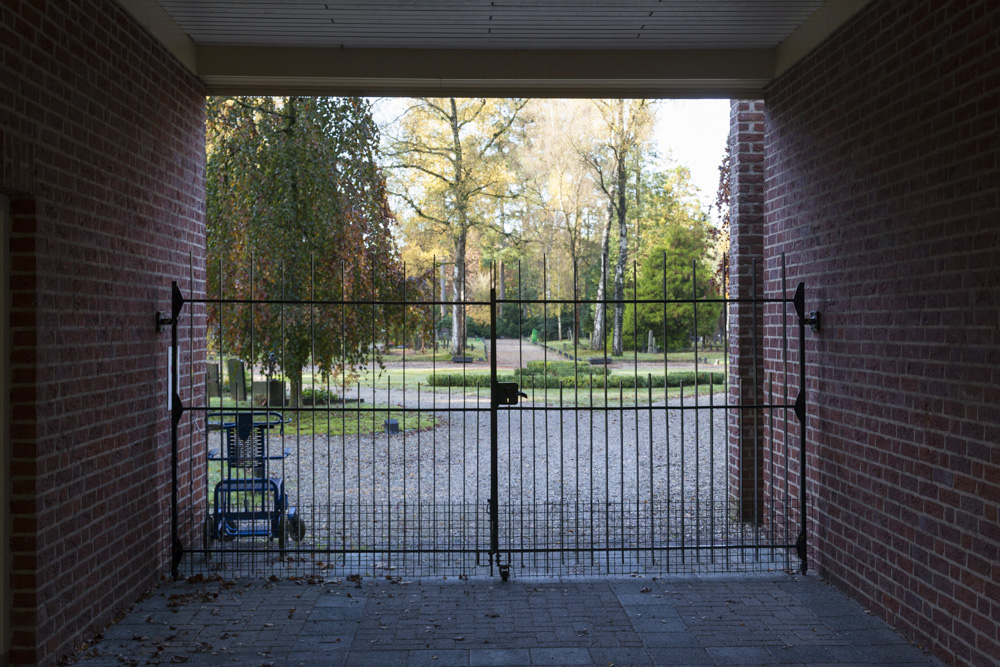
(693, 133)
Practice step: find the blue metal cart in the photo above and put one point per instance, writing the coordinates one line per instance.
(247, 502)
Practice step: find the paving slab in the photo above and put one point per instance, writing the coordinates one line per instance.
(697, 620)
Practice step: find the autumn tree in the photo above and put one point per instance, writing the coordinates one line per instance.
(450, 157)
(722, 236)
(297, 210)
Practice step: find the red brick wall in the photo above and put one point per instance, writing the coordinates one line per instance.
(101, 138)
(745, 321)
(883, 188)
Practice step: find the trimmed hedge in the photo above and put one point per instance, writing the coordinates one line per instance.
(558, 368)
(464, 380)
(592, 379)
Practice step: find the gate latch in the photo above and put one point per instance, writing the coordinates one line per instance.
(507, 393)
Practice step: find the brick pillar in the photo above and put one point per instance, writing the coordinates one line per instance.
(746, 332)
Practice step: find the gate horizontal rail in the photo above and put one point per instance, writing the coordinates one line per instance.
(250, 301)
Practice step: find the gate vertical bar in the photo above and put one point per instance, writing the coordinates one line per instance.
(801, 544)
(176, 411)
(494, 439)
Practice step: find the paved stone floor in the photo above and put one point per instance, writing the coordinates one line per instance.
(707, 620)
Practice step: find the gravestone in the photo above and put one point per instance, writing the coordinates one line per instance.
(269, 392)
(651, 344)
(237, 379)
(258, 391)
(276, 394)
(213, 385)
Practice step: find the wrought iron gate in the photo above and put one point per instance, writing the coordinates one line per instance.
(568, 462)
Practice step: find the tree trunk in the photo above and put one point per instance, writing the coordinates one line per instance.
(444, 293)
(295, 389)
(462, 227)
(576, 296)
(501, 290)
(619, 318)
(600, 332)
(458, 294)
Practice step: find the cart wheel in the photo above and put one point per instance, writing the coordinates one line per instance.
(210, 533)
(295, 528)
(221, 531)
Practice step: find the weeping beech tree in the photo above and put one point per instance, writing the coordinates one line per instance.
(297, 210)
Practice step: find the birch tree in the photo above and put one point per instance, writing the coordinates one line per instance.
(623, 133)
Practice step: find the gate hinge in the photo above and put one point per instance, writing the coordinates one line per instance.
(177, 302)
(799, 301)
(162, 321)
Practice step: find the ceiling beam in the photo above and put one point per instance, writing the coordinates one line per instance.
(831, 15)
(157, 21)
(527, 73)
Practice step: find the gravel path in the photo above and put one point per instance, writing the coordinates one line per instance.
(546, 453)
(570, 480)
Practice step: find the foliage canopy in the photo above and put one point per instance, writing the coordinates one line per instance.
(297, 211)
(675, 269)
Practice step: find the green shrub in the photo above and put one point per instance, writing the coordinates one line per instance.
(540, 382)
(557, 368)
(466, 380)
(458, 380)
(688, 378)
(317, 396)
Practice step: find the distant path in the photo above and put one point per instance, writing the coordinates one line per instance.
(512, 353)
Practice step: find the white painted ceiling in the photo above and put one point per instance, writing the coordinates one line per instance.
(493, 24)
(654, 48)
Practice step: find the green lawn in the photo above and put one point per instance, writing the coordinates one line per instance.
(351, 419)
(396, 355)
(345, 418)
